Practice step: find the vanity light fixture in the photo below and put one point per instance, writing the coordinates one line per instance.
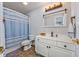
(53, 6)
(25, 3)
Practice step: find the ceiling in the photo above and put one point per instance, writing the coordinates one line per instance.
(18, 6)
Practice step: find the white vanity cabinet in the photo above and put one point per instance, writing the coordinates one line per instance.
(52, 48)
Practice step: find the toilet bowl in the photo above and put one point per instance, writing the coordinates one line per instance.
(28, 42)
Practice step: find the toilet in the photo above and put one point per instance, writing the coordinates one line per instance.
(27, 43)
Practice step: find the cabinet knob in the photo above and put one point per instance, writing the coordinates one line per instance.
(65, 46)
(47, 46)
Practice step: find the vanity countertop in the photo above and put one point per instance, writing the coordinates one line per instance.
(61, 39)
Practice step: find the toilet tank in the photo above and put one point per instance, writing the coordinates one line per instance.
(31, 37)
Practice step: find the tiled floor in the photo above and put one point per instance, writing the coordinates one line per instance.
(21, 53)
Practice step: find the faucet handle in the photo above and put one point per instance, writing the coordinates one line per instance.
(56, 35)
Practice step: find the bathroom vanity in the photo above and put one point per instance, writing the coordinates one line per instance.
(60, 46)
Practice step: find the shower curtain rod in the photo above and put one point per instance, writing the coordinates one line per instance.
(56, 12)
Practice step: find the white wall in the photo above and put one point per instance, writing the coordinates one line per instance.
(2, 32)
(36, 21)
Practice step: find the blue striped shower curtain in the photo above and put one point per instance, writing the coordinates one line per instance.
(16, 28)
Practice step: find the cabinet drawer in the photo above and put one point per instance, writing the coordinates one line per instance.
(47, 41)
(66, 46)
(42, 40)
(59, 52)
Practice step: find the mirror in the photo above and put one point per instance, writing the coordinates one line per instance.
(55, 19)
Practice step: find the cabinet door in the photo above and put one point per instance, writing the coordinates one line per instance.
(41, 48)
(59, 52)
(51, 52)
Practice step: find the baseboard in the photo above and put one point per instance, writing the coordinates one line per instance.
(11, 49)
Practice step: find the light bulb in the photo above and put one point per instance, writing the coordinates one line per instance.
(25, 3)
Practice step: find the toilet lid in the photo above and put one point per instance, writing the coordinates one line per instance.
(26, 42)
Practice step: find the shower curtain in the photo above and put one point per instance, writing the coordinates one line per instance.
(16, 27)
